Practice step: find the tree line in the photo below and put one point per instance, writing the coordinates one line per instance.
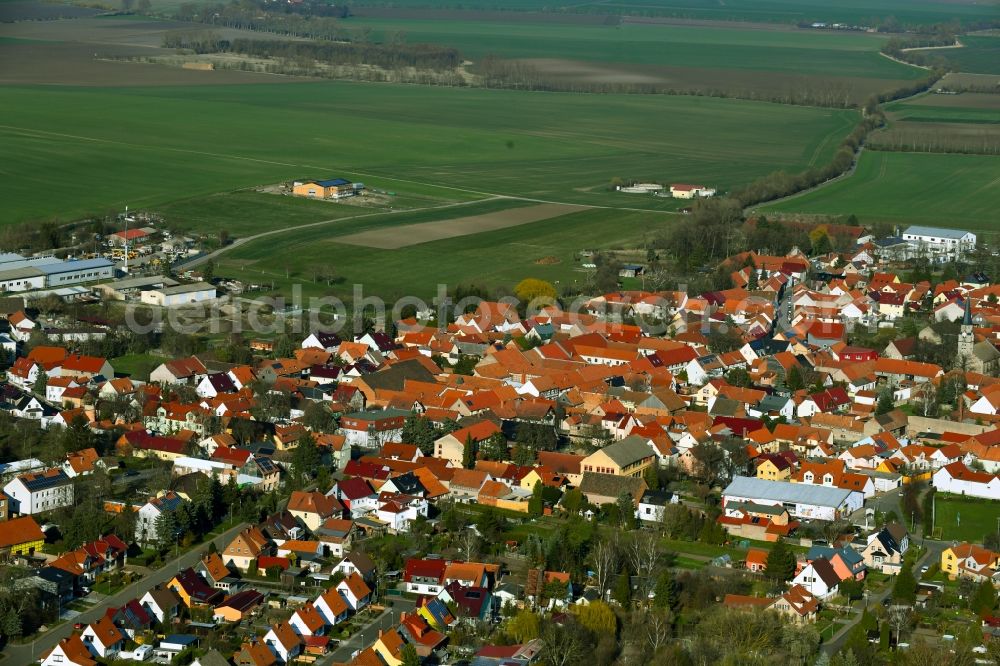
(915, 138)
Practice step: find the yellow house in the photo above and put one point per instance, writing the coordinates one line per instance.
(529, 480)
(21, 536)
(774, 468)
(389, 647)
(967, 560)
(333, 188)
(628, 457)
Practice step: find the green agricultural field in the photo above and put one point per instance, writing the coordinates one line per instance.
(544, 249)
(965, 518)
(973, 108)
(980, 55)
(800, 52)
(950, 190)
(147, 147)
(778, 11)
(250, 212)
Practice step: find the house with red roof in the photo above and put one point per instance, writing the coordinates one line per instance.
(451, 447)
(356, 495)
(957, 478)
(424, 576)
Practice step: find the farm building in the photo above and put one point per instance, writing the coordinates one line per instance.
(631, 270)
(641, 188)
(334, 188)
(800, 499)
(684, 191)
(182, 294)
(132, 236)
(121, 290)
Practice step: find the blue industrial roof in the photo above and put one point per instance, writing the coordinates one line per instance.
(333, 182)
(72, 266)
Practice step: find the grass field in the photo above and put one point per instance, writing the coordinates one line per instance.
(804, 52)
(503, 256)
(151, 146)
(964, 123)
(949, 190)
(965, 519)
(781, 11)
(976, 108)
(137, 366)
(250, 212)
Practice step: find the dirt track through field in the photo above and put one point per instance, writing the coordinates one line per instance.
(394, 238)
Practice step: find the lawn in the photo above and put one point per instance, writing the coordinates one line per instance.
(950, 190)
(965, 519)
(147, 147)
(544, 250)
(137, 366)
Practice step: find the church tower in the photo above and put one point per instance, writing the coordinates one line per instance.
(966, 340)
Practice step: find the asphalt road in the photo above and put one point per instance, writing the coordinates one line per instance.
(933, 554)
(29, 652)
(366, 636)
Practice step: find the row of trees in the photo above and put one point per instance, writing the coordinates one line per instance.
(913, 138)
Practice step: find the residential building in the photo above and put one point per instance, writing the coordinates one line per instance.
(627, 457)
(21, 536)
(103, 638)
(968, 560)
(958, 479)
(885, 549)
(37, 492)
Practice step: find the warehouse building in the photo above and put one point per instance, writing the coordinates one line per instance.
(20, 274)
(801, 500)
(121, 290)
(182, 294)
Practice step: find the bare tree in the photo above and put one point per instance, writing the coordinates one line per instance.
(469, 541)
(563, 645)
(899, 618)
(643, 555)
(604, 559)
(657, 626)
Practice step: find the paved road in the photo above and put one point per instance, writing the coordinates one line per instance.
(29, 652)
(933, 554)
(365, 637)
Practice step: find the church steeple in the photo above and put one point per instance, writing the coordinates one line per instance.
(966, 338)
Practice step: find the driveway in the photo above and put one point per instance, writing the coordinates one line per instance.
(933, 554)
(29, 652)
